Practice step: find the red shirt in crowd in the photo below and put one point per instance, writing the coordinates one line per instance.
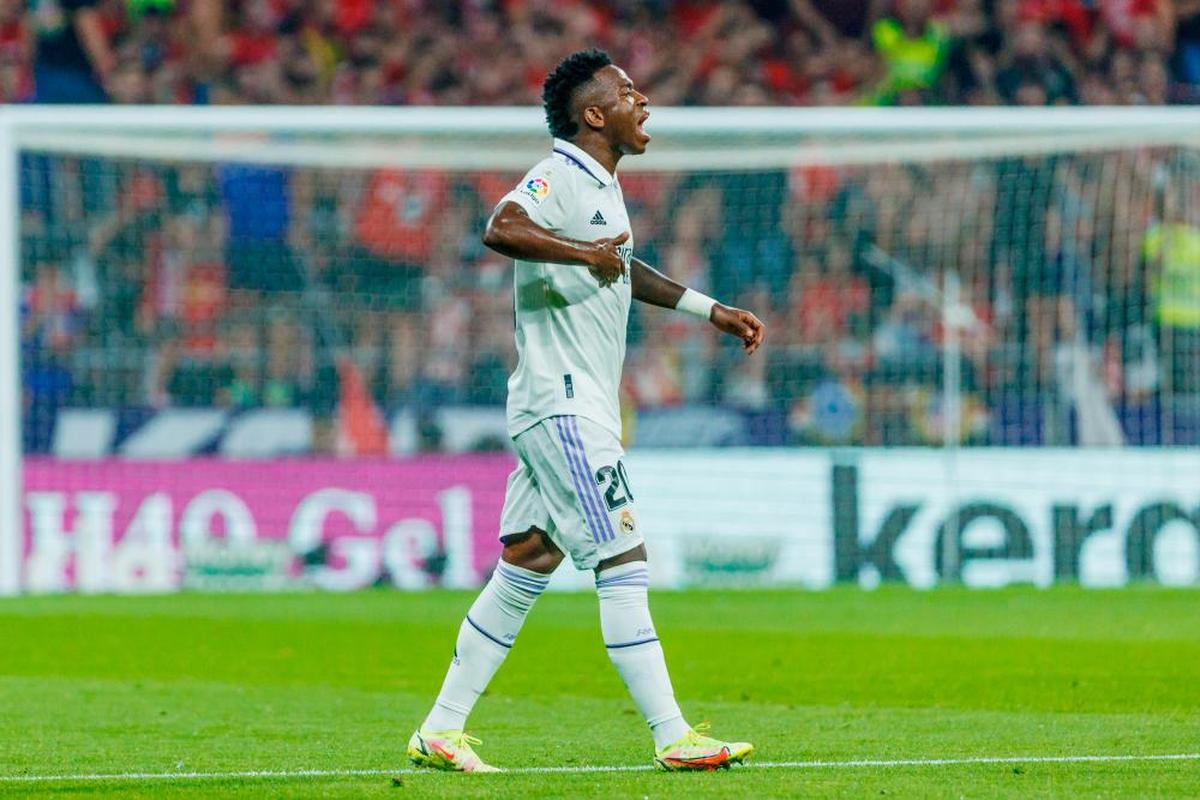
(826, 306)
(1122, 16)
(15, 48)
(399, 213)
(55, 307)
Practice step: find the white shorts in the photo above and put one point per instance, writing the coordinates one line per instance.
(571, 483)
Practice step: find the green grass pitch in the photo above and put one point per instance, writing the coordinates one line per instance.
(220, 684)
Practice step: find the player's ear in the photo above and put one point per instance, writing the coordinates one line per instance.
(593, 117)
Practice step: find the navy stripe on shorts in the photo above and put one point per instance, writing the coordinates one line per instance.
(579, 479)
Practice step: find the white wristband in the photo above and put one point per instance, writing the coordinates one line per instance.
(694, 302)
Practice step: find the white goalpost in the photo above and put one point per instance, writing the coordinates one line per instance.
(953, 323)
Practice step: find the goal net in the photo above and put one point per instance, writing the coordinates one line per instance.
(265, 348)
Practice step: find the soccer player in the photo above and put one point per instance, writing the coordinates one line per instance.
(566, 226)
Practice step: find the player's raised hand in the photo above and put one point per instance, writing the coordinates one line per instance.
(739, 323)
(606, 264)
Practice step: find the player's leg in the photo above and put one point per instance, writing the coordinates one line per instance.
(490, 627)
(488, 631)
(616, 553)
(632, 642)
(622, 586)
(612, 546)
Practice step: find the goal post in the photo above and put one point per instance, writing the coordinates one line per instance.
(984, 284)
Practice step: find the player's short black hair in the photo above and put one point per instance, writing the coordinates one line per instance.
(572, 72)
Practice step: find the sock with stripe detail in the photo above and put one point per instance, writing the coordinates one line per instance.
(486, 636)
(633, 646)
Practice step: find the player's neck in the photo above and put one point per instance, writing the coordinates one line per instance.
(605, 154)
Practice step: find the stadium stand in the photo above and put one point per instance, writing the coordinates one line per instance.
(149, 288)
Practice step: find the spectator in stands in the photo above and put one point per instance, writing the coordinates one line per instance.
(1095, 90)
(289, 361)
(174, 379)
(1030, 73)
(1025, 194)
(74, 59)
(977, 334)
(50, 327)
(903, 341)
(687, 259)
(914, 47)
(1187, 50)
(301, 69)
(826, 22)
(672, 355)
(754, 247)
(258, 256)
(654, 378)
(201, 269)
(241, 349)
(743, 385)
(186, 287)
(52, 315)
(1144, 25)
(1153, 82)
(1172, 252)
(492, 351)
(395, 231)
(121, 242)
(440, 349)
(832, 303)
(16, 50)
(804, 51)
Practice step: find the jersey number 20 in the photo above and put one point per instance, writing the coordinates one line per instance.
(618, 492)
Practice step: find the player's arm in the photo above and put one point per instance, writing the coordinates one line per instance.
(89, 30)
(512, 233)
(651, 286)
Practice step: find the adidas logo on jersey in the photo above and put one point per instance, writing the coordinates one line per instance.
(598, 219)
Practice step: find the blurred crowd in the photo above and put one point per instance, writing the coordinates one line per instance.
(244, 287)
(710, 52)
(240, 286)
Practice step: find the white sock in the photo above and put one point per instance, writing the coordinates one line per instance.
(633, 647)
(484, 640)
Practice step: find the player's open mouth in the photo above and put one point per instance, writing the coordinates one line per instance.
(642, 121)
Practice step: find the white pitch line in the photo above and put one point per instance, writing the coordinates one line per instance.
(853, 763)
(167, 776)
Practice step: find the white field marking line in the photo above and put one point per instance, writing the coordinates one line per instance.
(853, 763)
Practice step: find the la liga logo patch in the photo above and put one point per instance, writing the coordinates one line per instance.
(537, 188)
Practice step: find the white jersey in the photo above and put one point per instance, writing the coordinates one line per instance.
(570, 331)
